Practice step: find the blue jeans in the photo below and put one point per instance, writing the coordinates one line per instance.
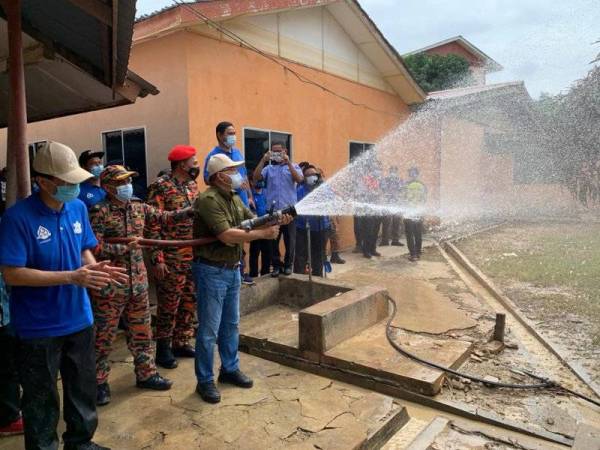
(218, 294)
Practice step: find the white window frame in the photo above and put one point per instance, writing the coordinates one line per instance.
(265, 130)
(363, 143)
(102, 133)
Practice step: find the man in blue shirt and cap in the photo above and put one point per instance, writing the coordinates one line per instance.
(91, 193)
(46, 258)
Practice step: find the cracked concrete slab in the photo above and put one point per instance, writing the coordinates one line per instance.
(287, 409)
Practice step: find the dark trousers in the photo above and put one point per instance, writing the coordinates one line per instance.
(289, 242)
(39, 362)
(413, 228)
(260, 248)
(318, 241)
(391, 229)
(370, 233)
(10, 395)
(358, 231)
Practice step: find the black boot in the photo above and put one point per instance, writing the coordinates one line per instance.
(184, 351)
(86, 446)
(155, 382)
(164, 354)
(208, 392)
(336, 258)
(103, 394)
(237, 378)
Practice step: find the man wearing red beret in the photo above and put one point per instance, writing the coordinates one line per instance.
(172, 266)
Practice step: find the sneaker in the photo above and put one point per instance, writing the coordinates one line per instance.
(397, 244)
(237, 378)
(275, 273)
(337, 259)
(12, 428)
(184, 351)
(103, 394)
(87, 446)
(412, 258)
(247, 279)
(384, 243)
(366, 255)
(287, 271)
(376, 253)
(155, 383)
(208, 392)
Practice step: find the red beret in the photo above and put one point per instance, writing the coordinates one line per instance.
(181, 152)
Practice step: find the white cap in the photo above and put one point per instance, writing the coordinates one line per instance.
(58, 160)
(220, 162)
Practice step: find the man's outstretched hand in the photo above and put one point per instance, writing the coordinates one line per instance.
(99, 275)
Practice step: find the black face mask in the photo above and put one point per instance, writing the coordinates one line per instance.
(193, 172)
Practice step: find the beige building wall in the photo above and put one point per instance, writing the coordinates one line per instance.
(164, 116)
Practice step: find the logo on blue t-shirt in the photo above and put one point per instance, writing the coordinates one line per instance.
(43, 234)
(77, 227)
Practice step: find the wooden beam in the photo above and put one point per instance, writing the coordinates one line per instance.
(16, 137)
(95, 8)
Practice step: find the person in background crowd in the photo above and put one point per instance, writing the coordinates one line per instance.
(2, 190)
(392, 188)
(319, 229)
(172, 267)
(11, 422)
(219, 212)
(122, 215)
(46, 259)
(281, 177)
(226, 140)
(91, 192)
(370, 224)
(416, 196)
(261, 247)
(334, 237)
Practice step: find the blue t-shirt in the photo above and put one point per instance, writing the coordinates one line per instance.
(90, 194)
(234, 155)
(35, 236)
(260, 200)
(317, 223)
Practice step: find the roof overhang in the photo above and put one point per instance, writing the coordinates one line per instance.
(349, 14)
(487, 62)
(502, 106)
(64, 76)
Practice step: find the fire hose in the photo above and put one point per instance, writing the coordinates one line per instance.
(272, 217)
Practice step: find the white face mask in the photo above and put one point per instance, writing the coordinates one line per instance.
(236, 180)
(311, 180)
(230, 140)
(277, 157)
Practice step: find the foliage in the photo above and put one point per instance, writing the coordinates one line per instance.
(437, 72)
(572, 136)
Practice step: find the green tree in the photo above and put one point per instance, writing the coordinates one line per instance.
(437, 72)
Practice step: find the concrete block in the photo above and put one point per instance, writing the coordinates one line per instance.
(326, 324)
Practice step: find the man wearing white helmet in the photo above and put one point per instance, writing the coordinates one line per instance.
(219, 212)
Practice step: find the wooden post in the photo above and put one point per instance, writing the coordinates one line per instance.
(17, 156)
(499, 327)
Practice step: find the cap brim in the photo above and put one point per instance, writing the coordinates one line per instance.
(235, 164)
(124, 175)
(75, 176)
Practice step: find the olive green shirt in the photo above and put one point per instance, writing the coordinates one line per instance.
(216, 211)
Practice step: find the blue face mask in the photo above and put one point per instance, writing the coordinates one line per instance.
(66, 193)
(236, 181)
(231, 140)
(125, 192)
(97, 170)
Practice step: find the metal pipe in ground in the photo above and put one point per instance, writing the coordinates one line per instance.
(499, 327)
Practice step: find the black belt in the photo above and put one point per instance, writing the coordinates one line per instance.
(219, 264)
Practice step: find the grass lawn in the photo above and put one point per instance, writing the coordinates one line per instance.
(562, 258)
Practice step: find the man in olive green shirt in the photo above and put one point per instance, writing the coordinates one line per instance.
(219, 212)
